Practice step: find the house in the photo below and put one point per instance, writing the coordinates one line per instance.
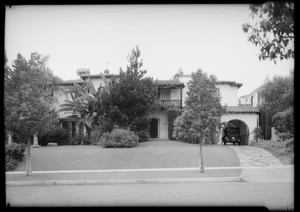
(169, 92)
(172, 95)
(253, 98)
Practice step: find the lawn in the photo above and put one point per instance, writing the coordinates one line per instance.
(277, 148)
(151, 154)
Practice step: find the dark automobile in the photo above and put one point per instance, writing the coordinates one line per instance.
(232, 135)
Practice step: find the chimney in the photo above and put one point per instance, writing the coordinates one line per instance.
(83, 72)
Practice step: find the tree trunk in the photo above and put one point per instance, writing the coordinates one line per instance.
(28, 157)
(201, 158)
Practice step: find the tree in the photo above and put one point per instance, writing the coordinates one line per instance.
(178, 74)
(131, 98)
(278, 94)
(274, 30)
(85, 103)
(28, 98)
(201, 121)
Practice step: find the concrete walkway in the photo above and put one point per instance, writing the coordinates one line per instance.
(255, 156)
(260, 165)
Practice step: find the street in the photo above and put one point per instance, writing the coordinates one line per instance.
(274, 196)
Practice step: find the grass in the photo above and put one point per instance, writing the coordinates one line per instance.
(151, 154)
(277, 148)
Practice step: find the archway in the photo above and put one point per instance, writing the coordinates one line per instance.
(244, 130)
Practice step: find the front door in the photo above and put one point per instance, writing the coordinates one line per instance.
(154, 128)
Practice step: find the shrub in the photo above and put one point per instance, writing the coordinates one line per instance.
(284, 121)
(14, 154)
(58, 135)
(140, 126)
(119, 138)
(257, 133)
(86, 140)
(96, 135)
(76, 140)
(143, 135)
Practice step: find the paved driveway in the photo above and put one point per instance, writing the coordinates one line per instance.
(152, 154)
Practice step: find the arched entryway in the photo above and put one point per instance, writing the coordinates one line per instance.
(154, 128)
(244, 130)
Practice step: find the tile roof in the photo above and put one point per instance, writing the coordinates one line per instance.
(231, 83)
(243, 108)
(97, 76)
(170, 84)
(71, 82)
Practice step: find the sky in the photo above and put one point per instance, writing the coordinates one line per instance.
(169, 37)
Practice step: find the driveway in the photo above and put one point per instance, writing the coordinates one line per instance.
(151, 154)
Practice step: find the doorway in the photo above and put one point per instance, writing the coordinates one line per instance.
(154, 128)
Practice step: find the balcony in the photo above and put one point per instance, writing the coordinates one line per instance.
(171, 104)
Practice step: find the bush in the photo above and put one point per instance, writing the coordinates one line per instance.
(58, 135)
(143, 135)
(284, 121)
(257, 133)
(76, 140)
(14, 154)
(119, 138)
(96, 135)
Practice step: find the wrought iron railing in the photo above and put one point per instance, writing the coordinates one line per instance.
(170, 103)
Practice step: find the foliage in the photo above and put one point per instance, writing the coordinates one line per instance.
(28, 97)
(283, 150)
(273, 31)
(76, 140)
(202, 117)
(57, 135)
(257, 133)
(96, 134)
(85, 103)
(278, 94)
(119, 138)
(265, 120)
(129, 100)
(178, 74)
(284, 121)
(172, 115)
(14, 154)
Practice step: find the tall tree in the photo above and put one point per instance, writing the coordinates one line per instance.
(278, 93)
(273, 31)
(28, 98)
(132, 97)
(178, 74)
(201, 121)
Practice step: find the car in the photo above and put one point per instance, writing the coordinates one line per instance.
(232, 135)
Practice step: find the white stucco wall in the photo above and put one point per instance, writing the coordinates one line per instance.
(60, 98)
(162, 117)
(229, 94)
(97, 82)
(251, 120)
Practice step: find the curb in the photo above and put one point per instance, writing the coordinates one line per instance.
(125, 181)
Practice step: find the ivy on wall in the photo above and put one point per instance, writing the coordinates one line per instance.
(172, 115)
